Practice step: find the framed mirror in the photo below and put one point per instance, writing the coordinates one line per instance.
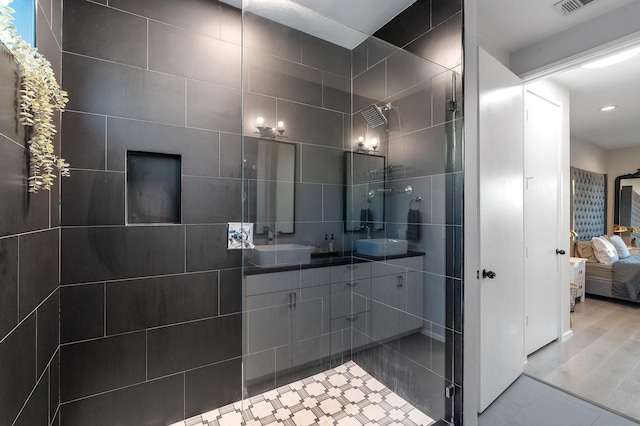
(627, 203)
(270, 169)
(364, 196)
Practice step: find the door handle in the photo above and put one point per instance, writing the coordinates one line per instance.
(488, 274)
(560, 252)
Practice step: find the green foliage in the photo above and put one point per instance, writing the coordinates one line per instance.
(40, 97)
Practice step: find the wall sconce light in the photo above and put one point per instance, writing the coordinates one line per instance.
(269, 131)
(366, 146)
(572, 234)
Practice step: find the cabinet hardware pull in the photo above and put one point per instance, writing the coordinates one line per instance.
(352, 266)
(352, 283)
(295, 299)
(352, 318)
(399, 281)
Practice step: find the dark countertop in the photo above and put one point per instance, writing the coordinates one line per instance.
(323, 260)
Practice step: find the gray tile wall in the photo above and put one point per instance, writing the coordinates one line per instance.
(160, 306)
(149, 313)
(29, 275)
(410, 63)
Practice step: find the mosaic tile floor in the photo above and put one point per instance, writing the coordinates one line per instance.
(344, 396)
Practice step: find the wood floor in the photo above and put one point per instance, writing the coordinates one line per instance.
(601, 361)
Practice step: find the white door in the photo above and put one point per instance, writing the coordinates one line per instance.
(501, 201)
(542, 138)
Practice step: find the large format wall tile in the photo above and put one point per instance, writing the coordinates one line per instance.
(157, 402)
(81, 312)
(100, 365)
(198, 148)
(84, 140)
(48, 325)
(207, 249)
(211, 200)
(93, 198)
(203, 391)
(37, 280)
(310, 124)
(270, 37)
(21, 211)
(115, 36)
(213, 107)
(8, 285)
(123, 91)
(151, 302)
(186, 346)
(36, 410)
(198, 16)
(103, 253)
(184, 53)
(326, 56)
(18, 367)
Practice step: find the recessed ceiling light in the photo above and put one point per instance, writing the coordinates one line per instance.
(608, 108)
(613, 59)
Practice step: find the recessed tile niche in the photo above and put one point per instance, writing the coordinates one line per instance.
(153, 187)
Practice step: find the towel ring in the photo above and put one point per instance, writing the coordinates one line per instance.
(417, 201)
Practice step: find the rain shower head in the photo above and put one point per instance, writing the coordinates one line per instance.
(374, 116)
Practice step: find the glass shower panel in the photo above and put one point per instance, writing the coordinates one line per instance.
(395, 313)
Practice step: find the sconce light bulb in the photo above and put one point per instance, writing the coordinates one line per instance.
(374, 141)
(260, 121)
(360, 139)
(280, 124)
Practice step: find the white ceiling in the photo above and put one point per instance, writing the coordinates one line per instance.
(514, 24)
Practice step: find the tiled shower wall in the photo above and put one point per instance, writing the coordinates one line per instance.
(150, 315)
(424, 143)
(29, 234)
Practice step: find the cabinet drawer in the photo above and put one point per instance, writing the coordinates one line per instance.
(356, 271)
(271, 282)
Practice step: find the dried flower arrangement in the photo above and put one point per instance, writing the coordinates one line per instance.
(40, 97)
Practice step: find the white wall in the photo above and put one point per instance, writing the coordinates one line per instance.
(588, 156)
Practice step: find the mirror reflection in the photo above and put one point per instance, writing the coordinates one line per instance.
(364, 196)
(270, 167)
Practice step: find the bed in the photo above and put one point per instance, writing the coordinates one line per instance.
(619, 281)
(617, 277)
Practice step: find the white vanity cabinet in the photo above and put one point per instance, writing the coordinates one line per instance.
(293, 318)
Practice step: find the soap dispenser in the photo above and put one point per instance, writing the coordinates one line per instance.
(331, 244)
(325, 246)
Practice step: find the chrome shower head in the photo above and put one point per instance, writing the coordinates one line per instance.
(374, 116)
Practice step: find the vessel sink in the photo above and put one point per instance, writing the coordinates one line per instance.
(381, 247)
(280, 255)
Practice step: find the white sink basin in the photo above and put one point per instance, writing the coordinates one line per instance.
(381, 247)
(280, 255)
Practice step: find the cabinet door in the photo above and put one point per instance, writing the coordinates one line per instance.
(268, 321)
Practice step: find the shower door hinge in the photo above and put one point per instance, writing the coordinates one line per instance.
(449, 391)
(452, 105)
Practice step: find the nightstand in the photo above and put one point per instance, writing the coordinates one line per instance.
(578, 266)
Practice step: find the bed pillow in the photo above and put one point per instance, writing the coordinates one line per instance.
(605, 251)
(620, 246)
(585, 251)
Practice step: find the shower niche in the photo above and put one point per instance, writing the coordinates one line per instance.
(154, 184)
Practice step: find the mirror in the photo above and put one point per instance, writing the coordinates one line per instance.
(364, 196)
(627, 203)
(270, 170)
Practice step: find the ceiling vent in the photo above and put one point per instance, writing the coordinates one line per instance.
(567, 7)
